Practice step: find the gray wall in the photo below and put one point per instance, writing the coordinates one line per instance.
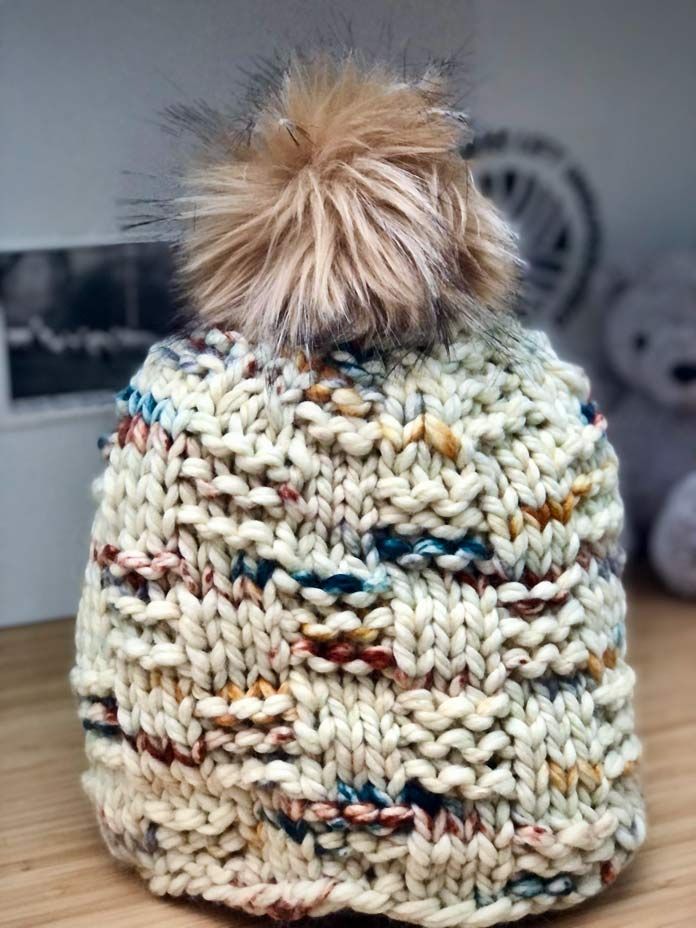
(613, 81)
(81, 82)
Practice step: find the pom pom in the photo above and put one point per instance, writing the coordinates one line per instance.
(344, 212)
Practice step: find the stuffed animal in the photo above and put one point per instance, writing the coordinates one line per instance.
(650, 341)
(673, 539)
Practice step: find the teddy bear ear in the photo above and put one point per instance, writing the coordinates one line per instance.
(344, 212)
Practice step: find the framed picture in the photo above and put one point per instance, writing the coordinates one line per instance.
(75, 323)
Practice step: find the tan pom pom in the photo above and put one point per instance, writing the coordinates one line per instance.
(346, 213)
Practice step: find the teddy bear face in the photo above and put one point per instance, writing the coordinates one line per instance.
(651, 335)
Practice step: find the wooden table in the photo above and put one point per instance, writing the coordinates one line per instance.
(54, 870)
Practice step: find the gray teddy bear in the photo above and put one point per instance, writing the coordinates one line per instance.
(650, 343)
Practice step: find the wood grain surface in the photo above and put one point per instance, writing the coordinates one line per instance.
(55, 872)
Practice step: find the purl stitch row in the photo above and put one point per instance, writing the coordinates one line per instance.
(357, 640)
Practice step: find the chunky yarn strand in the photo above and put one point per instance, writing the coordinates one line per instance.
(352, 634)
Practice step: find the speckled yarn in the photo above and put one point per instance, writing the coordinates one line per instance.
(352, 634)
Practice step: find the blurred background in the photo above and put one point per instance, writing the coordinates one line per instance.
(585, 136)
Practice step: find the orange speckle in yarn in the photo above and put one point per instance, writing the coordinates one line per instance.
(363, 635)
(565, 781)
(318, 393)
(590, 773)
(610, 657)
(515, 525)
(607, 872)
(414, 430)
(231, 691)
(552, 510)
(441, 438)
(595, 667)
(542, 515)
(582, 485)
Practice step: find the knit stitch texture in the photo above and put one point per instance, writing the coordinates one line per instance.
(352, 634)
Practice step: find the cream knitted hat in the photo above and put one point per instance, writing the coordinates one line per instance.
(352, 630)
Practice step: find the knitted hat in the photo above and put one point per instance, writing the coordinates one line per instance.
(352, 629)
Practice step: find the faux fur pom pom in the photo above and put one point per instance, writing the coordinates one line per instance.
(344, 212)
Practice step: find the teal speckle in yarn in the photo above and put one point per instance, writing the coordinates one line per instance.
(132, 402)
(148, 407)
(377, 582)
(561, 885)
(531, 885)
(410, 552)
(370, 793)
(297, 830)
(346, 794)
